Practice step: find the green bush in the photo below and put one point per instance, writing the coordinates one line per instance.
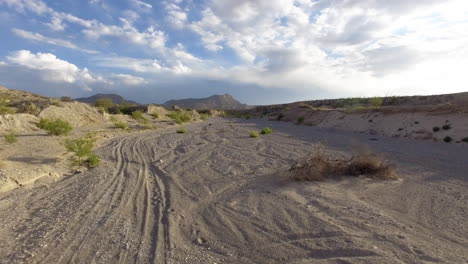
(180, 116)
(231, 124)
(465, 140)
(155, 115)
(121, 125)
(137, 115)
(376, 101)
(81, 147)
(147, 126)
(4, 108)
(181, 131)
(104, 103)
(447, 139)
(266, 131)
(436, 129)
(204, 117)
(248, 116)
(56, 127)
(300, 119)
(93, 160)
(10, 138)
(254, 134)
(280, 116)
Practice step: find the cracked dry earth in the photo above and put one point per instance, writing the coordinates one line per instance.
(214, 195)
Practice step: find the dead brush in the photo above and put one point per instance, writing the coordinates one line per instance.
(318, 166)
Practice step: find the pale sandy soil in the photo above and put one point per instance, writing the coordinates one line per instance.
(214, 195)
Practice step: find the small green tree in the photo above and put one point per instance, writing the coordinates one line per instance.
(82, 148)
(10, 138)
(266, 131)
(104, 103)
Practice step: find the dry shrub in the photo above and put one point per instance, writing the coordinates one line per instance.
(319, 166)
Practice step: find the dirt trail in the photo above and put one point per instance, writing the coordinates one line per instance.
(215, 195)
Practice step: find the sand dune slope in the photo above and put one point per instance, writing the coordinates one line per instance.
(214, 195)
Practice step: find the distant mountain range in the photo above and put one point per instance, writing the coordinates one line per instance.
(225, 102)
(117, 99)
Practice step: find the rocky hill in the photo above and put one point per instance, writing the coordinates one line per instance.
(117, 99)
(225, 102)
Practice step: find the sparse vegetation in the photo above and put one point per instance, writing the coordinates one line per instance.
(10, 138)
(376, 101)
(181, 130)
(319, 166)
(280, 116)
(147, 126)
(300, 120)
(180, 116)
(137, 115)
(56, 127)
(82, 148)
(266, 131)
(65, 99)
(32, 109)
(121, 125)
(4, 108)
(465, 140)
(155, 115)
(436, 129)
(248, 116)
(254, 134)
(231, 124)
(448, 139)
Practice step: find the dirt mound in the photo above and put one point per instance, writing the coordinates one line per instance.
(18, 123)
(78, 114)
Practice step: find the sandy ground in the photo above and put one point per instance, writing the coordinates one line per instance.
(214, 195)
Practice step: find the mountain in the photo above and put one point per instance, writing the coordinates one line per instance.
(225, 102)
(117, 99)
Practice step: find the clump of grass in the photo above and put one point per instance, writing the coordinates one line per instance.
(32, 109)
(180, 116)
(147, 126)
(231, 124)
(254, 134)
(121, 125)
(280, 116)
(447, 139)
(204, 117)
(300, 120)
(10, 138)
(82, 149)
(56, 127)
(266, 131)
(104, 104)
(4, 108)
(446, 127)
(319, 166)
(248, 116)
(181, 130)
(137, 115)
(155, 127)
(376, 101)
(155, 115)
(436, 129)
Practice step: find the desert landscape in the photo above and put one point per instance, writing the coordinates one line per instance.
(175, 185)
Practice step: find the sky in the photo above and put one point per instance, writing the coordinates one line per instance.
(259, 51)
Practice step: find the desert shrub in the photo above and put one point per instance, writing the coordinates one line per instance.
(113, 119)
(446, 127)
(376, 101)
(155, 115)
(104, 103)
(204, 117)
(436, 129)
(93, 160)
(56, 127)
(300, 119)
(65, 99)
(4, 108)
(32, 109)
(55, 102)
(254, 134)
(447, 139)
(181, 130)
(180, 116)
(137, 115)
(121, 125)
(147, 126)
(10, 138)
(319, 166)
(465, 140)
(155, 127)
(280, 116)
(81, 147)
(266, 131)
(231, 124)
(248, 116)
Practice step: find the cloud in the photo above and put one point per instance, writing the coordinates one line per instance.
(53, 41)
(128, 79)
(175, 16)
(141, 4)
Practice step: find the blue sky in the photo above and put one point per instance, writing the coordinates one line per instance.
(261, 52)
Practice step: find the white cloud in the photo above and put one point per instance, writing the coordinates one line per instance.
(175, 16)
(129, 80)
(53, 41)
(142, 4)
